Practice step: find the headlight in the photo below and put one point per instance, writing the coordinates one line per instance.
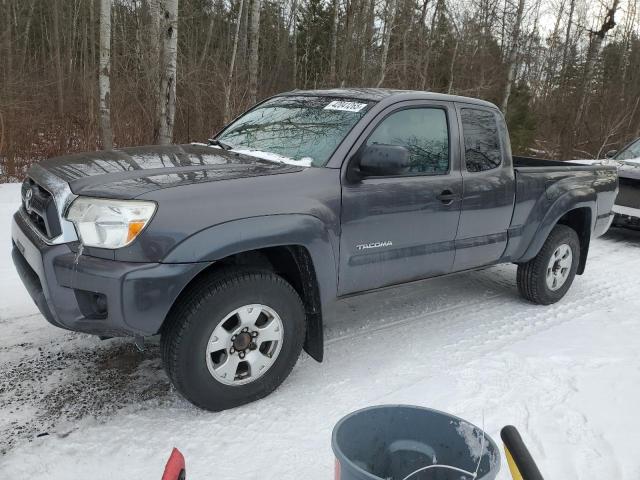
(109, 223)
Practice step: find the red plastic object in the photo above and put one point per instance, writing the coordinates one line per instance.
(175, 467)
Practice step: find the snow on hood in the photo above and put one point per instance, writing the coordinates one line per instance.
(274, 157)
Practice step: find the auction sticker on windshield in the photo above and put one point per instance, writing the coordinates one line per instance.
(345, 106)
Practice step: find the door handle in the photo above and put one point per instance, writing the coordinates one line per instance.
(447, 197)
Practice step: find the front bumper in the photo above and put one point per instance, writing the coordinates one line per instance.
(68, 287)
(626, 211)
(626, 216)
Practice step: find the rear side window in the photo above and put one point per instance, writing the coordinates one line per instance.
(422, 131)
(481, 140)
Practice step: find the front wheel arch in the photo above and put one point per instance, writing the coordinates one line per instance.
(295, 264)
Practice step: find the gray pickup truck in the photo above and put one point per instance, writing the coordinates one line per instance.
(232, 250)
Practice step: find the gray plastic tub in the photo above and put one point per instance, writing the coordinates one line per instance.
(389, 442)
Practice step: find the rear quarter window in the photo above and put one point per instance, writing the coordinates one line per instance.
(481, 140)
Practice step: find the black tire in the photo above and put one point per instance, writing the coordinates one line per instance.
(198, 312)
(532, 276)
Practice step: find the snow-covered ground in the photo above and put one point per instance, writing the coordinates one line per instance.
(567, 375)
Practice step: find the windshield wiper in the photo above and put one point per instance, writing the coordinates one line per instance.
(215, 141)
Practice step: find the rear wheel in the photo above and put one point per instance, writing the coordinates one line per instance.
(547, 277)
(233, 338)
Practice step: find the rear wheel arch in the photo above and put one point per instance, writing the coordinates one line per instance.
(547, 277)
(580, 220)
(575, 209)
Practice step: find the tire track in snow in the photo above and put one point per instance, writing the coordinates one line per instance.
(475, 320)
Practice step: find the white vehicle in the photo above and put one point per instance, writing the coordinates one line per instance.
(627, 206)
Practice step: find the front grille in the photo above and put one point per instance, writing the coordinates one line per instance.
(40, 207)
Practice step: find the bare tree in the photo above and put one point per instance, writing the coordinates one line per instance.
(439, 7)
(232, 64)
(104, 75)
(597, 39)
(57, 56)
(153, 61)
(366, 35)
(572, 90)
(567, 38)
(167, 100)
(334, 43)
(513, 55)
(5, 9)
(388, 26)
(294, 41)
(254, 38)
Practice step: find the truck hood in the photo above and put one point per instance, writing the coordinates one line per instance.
(630, 169)
(130, 172)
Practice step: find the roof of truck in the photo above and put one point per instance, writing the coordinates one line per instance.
(377, 94)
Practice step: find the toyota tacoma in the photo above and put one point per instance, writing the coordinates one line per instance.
(232, 250)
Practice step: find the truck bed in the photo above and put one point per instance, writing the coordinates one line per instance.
(541, 184)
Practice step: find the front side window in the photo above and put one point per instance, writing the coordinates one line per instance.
(481, 140)
(303, 130)
(422, 131)
(631, 152)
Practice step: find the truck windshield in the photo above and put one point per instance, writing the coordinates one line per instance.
(301, 130)
(631, 152)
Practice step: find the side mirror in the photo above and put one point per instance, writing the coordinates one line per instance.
(611, 153)
(380, 160)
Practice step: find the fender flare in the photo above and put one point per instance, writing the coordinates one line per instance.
(253, 233)
(585, 197)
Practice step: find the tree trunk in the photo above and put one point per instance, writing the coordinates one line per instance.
(430, 40)
(294, 46)
(513, 56)
(254, 39)
(104, 76)
(346, 45)
(153, 63)
(232, 64)
(452, 65)
(169, 29)
(388, 26)
(57, 57)
(368, 27)
(334, 43)
(8, 48)
(567, 38)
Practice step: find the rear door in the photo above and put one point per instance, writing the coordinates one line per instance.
(400, 228)
(488, 187)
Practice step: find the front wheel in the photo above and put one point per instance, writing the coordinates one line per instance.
(234, 338)
(547, 277)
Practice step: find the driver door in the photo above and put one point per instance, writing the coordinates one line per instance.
(401, 228)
